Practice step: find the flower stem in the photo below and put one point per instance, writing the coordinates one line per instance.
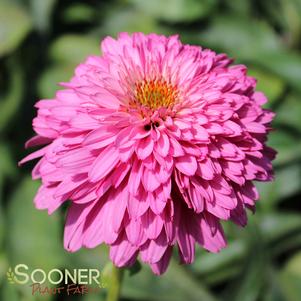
(115, 282)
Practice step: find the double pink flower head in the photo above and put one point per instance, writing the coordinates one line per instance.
(153, 143)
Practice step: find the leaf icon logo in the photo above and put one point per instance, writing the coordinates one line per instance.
(10, 276)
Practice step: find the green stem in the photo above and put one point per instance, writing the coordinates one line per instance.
(115, 282)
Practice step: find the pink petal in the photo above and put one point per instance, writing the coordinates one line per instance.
(103, 164)
(37, 140)
(149, 180)
(162, 145)
(152, 224)
(145, 148)
(212, 242)
(73, 233)
(122, 252)
(186, 165)
(135, 177)
(161, 266)
(153, 250)
(135, 232)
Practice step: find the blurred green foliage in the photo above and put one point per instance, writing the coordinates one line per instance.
(41, 41)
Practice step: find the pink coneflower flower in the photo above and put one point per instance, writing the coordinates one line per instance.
(153, 143)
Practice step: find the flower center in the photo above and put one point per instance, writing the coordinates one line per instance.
(155, 94)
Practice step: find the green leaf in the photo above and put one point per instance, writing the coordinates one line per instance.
(11, 101)
(240, 37)
(41, 12)
(175, 285)
(291, 278)
(288, 149)
(271, 85)
(287, 244)
(135, 268)
(293, 266)
(66, 52)
(215, 268)
(93, 297)
(8, 167)
(73, 49)
(79, 12)
(255, 41)
(253, 275)
(289, 112)
(7, 170)
(286, 65)
(239, 7)
(2, 225)
(273, 291)
(176, 10)
(287, 183)
(252, 280)
(35, 237)
(9, 292)
(128, 20)
(15, 24)
(49, 81)
(287, 15)
(95, 258)
(3, 266)
(276, 226)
